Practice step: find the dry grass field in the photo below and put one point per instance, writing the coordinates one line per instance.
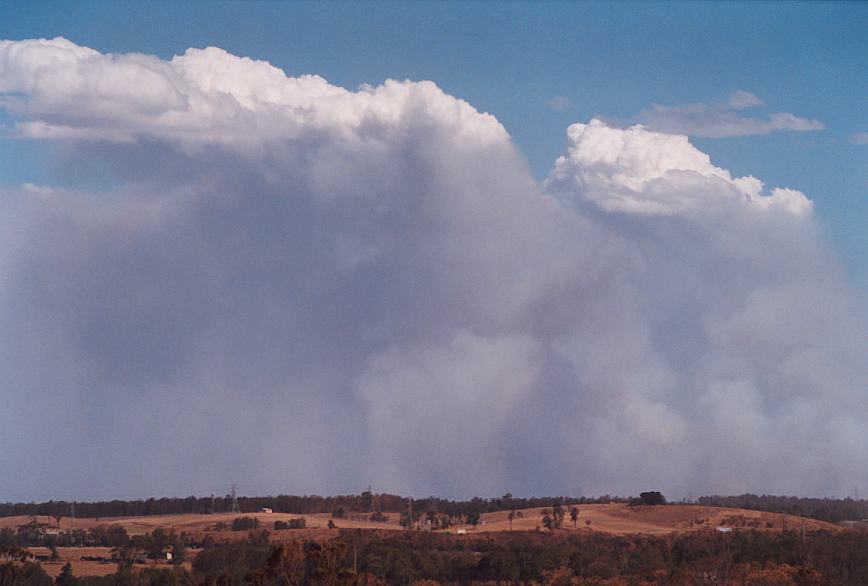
(613, 519)
(82, 567)
(621, 519)
(194, 523)
(618, 519)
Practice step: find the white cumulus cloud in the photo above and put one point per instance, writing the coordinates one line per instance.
(641, 171)
(208, 96)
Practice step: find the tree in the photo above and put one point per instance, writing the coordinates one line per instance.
(66, 577)
(244, 523)
(286, 566)
(553, 518)
(473, 519)
(125, 555)
(156, 543)
(109, 535)
(558, 514)
(179, 550)
(378, 517)
(652, 498)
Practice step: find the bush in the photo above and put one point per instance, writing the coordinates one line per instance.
(244, 523)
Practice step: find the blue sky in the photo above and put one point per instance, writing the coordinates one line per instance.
(511, 59)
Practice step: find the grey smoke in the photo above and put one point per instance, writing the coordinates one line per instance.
(303, 289)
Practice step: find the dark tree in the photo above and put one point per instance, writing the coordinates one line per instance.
(652, 498)
(66, 577)
(244, 523)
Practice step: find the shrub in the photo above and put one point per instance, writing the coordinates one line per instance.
(244, 523)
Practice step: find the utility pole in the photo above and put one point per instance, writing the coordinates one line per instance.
(212, 503)
(235, 508)
(72, 516)
(410, 513)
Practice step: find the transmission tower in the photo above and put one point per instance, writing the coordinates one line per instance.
(235, 508)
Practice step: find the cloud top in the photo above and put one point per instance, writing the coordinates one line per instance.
(209, 96)
(640, 171)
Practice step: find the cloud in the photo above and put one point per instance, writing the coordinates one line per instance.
(739, 100)
(859, 138)
(207, 97)
(636, 170)
(719, 120)
(301, 288)
(559, 103)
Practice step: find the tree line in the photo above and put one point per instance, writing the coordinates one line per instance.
(371, 558)
(366, 502)
(825, 509)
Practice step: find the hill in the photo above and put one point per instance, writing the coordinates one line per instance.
(615, 518)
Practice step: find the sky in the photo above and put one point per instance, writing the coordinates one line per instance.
(437, 248)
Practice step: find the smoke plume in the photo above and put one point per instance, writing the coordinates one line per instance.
(274, 281)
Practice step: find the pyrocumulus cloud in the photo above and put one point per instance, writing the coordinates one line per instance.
(301, 288)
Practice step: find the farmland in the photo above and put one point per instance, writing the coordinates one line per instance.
(613, 519)
(666, 544)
